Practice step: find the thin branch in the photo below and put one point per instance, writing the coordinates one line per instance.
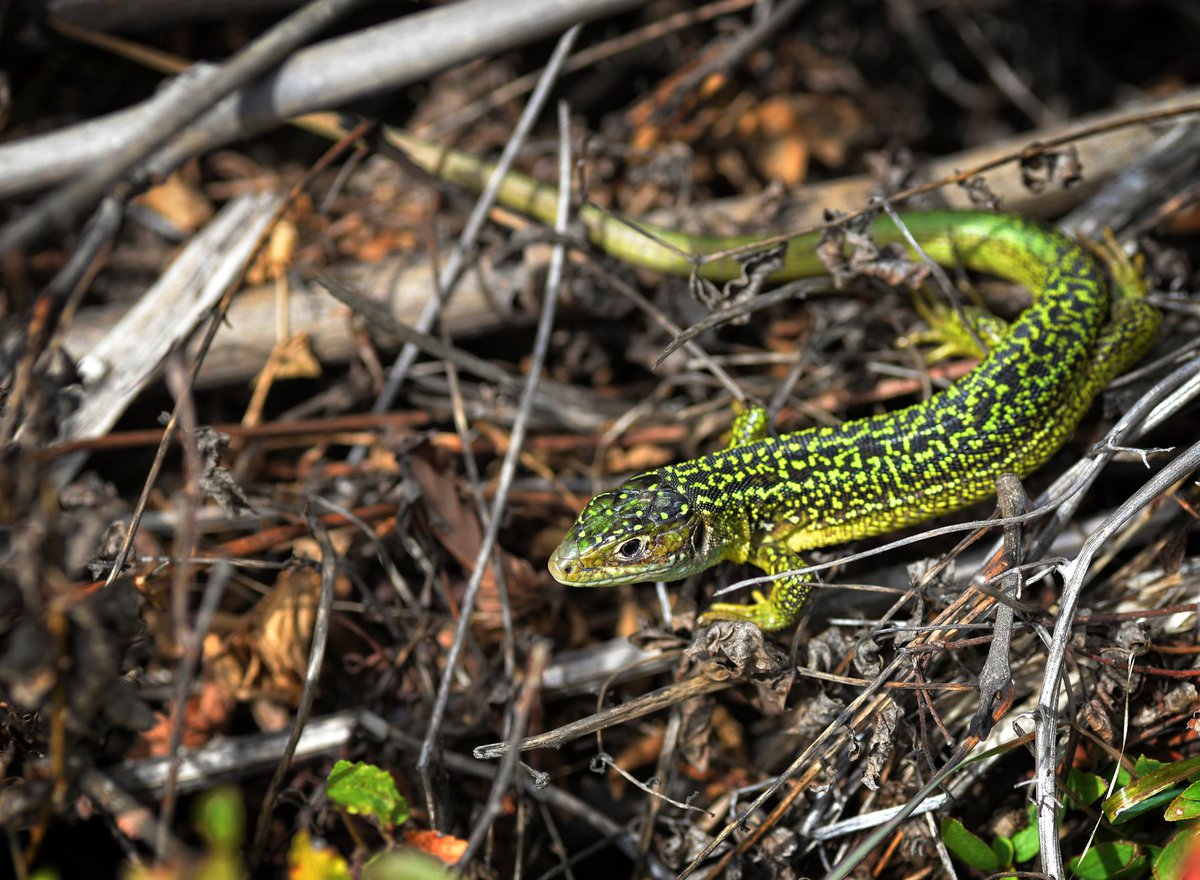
(1074, 574)
(210, 333)
(835, 734)
(747, 41)
(312, 675)
(471, 467)
(330, 74)
(630, 710)
(539, 657)
(659, 317)
(552, 395)
(513, 89)
(508, 470)
(452, 271)
(128, 814)
(534, 788)
(201, 91)
(996, 691)
(57, 303)
(213, 591)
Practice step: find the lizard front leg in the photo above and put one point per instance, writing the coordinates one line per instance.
(779, 610)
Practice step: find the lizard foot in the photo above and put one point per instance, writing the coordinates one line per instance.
(762, 611)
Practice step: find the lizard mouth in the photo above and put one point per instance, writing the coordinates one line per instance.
(567, 569)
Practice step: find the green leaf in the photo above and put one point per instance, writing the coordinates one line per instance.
(1131, 799)
(1137, 808)
(1025, 841)
(1110, 861)
(1124, 777)
(1179, 856)
(1185, 806)
(404, 865)
(1084, 788)
(366, 790)
(1003, 848)
(1144, 765)
(969, 848)
(220, 818)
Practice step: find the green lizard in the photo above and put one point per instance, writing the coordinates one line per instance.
(765, 500)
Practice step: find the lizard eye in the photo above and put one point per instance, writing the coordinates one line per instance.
(631, 549)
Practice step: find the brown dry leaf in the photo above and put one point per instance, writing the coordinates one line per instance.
(645, 131)
(296, 359)
(386, 242)
(1184, 221)
(784, 159)
(271, 717)
(785, 131)
(629, 613)
(453, 520)
(349, 232)
(266, 655)
(206, 714)
(642, 752)
(642, 457)
(180, 203)
(831, 126)
(728, 730)
(732, 165)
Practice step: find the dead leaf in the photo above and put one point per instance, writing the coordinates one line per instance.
(265, 657)
(385, 242)
(178, 202)
(216, 480)
(784, 159)
(205, 715)
(785, 131)
(453, 521)
(295, 359)
(642, 457)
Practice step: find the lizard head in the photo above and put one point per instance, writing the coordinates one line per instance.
(643, 530)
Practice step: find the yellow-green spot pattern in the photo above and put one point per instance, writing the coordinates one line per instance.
(764, 500)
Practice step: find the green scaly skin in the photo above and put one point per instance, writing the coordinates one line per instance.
(765, 500)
